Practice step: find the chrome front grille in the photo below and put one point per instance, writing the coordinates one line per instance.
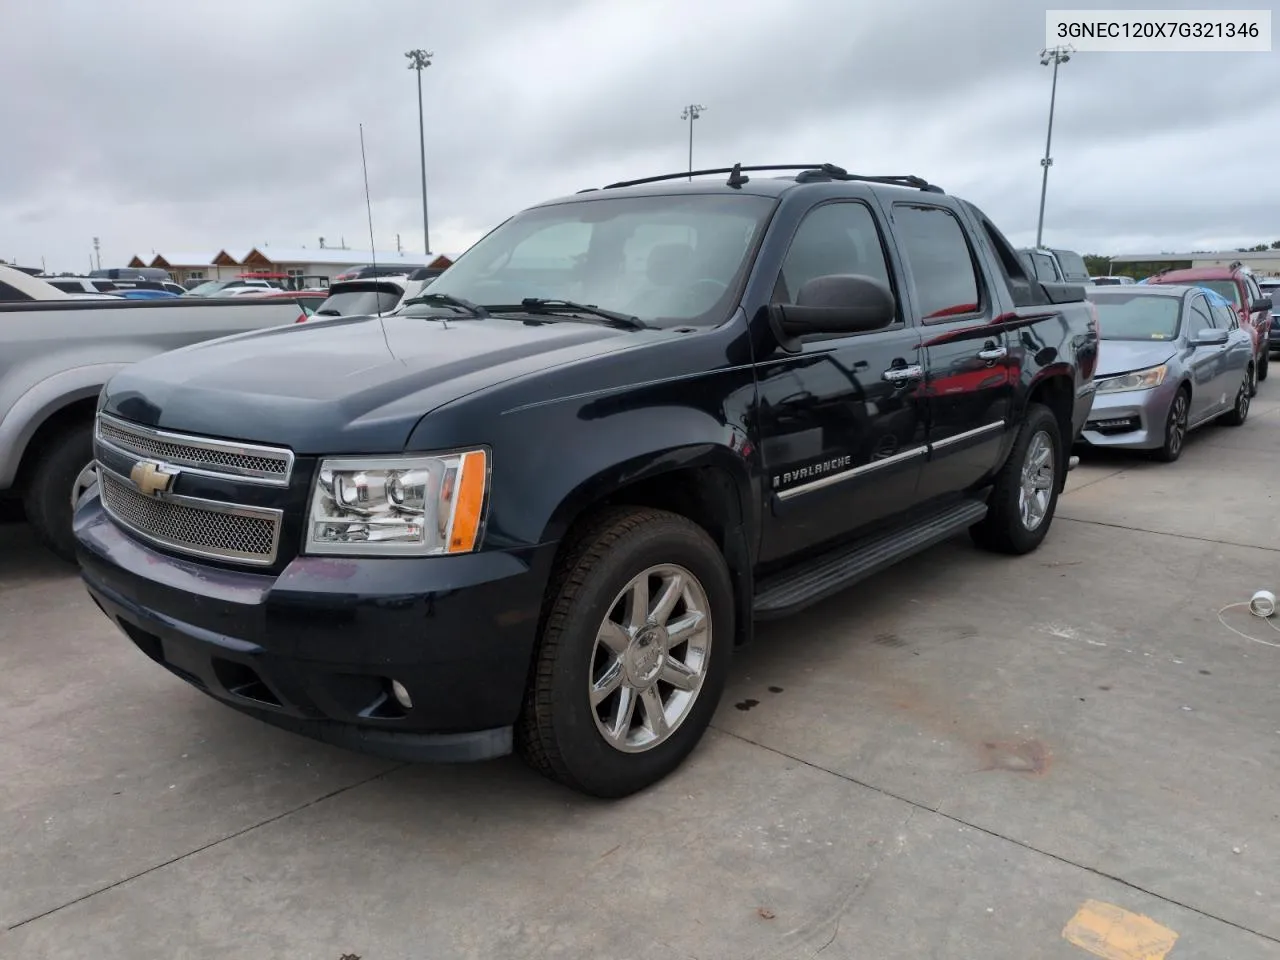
(203, 528)
(221, 458)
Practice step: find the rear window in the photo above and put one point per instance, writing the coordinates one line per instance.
(353, 303)
(1072, 264)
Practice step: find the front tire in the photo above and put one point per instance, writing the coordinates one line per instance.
(1022, 505)
(633, 656)
(52, 485)
(1175, 427)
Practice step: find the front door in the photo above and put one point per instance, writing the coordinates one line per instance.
(970, 380)
(840, 423)
(1208, 363)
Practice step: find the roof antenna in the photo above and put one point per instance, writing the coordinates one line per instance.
(373, 254)
(736, 178)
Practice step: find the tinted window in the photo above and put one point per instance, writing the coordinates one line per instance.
(936, 249)
(1045, 268)
(354, 303)
(832, 239)
(1226, 288)
(1072, 263)
(8, 293)
(1199, 317)
(67, 286)
(1138, 317)
(1224, 318)
(669, 260)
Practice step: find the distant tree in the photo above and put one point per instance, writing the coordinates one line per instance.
(1260, 248)
(1276, 245)
(1096, 264)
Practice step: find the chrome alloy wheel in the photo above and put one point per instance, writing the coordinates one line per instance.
(650, 658)
(1037, 481)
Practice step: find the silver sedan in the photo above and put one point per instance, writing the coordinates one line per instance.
(1172, 358)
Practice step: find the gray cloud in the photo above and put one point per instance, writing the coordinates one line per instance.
(236, 123)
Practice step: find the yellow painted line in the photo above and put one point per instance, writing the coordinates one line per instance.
(1108, 931)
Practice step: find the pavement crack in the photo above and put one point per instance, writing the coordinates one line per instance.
(960, 821)
(1090, 483)
(212, 843)
(1166, 533)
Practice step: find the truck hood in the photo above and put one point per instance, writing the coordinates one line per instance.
(1123, 356)
(345, 385)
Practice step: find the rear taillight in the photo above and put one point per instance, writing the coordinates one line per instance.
(301, 318)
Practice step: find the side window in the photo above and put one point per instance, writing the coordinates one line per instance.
(1046, 270)
(834, 238)
(1251, 289)
(1224, 318)
(1012, 265)
(937, 250)
(1199, 317)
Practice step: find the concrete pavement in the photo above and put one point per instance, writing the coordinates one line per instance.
(965, 757)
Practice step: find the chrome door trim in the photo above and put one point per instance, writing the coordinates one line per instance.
(968, 435)
(859, 471)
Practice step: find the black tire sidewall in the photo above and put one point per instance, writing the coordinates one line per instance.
(1264, 363)
(590, 761)
(47, 499)
(1166, 453)
(1004, 515)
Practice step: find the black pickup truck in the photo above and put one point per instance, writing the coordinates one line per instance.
(541, 506)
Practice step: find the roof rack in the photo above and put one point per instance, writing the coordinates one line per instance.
(809, 173)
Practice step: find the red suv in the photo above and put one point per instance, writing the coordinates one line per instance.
(1235, 283)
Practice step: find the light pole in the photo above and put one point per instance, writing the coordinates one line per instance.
(1054, 55)
(691, 113)
(97, 252)
(419, 60)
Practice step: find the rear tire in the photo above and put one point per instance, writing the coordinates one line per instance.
(1022, 505)
(611, 744)
(1240, 412)
(49, 488)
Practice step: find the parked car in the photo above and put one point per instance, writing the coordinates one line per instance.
(1236, 284)
(1270, 287)
(368, 271)
(307, 300)
(1057, 266)
(541, 506)
(372, 296)
(130, 273)
(1110, 281)
(144, 293)
(56, 352)
(1173, 358)
(219, 288)
(80, 284)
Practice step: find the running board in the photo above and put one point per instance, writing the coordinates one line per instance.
(793, 589)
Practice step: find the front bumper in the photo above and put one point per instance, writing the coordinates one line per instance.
(315, 648)
(1129, 420)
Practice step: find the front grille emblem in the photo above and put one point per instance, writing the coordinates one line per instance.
(152, 478)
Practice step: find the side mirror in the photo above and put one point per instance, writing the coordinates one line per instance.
(838, 303)
(1210, 337)
(1262, 303)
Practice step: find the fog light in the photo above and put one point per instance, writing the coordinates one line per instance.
(401, 694)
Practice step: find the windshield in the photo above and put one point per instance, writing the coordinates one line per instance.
(208, 288)
(1072, 264)
(669, 260)
(1224, 288)
(354, 303)
(1139, 317)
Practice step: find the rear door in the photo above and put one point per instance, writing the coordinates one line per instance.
(968, 387)
(841, 423)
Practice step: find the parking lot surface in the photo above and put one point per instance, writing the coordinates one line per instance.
(1061, 755)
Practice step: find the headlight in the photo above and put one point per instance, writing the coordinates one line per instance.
(1138, 380)
(397, 506)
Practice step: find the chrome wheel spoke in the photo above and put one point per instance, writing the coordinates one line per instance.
(623, 714)
(680, 675)
(638, 604)
(672, 589)
(686, 627)
(655, 716)
(607, 682)
(614, 637)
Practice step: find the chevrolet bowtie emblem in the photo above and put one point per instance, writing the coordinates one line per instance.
(151, 478)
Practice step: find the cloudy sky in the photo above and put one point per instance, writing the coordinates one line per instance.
(181, 126)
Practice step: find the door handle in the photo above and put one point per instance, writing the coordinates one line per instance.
(904, 374)
(992, 353)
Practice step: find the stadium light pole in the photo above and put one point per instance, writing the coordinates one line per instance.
(691, 113)
(419, 60)
(1056, 56)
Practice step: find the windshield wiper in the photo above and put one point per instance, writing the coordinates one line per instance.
(448, 300)
(548, 305)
